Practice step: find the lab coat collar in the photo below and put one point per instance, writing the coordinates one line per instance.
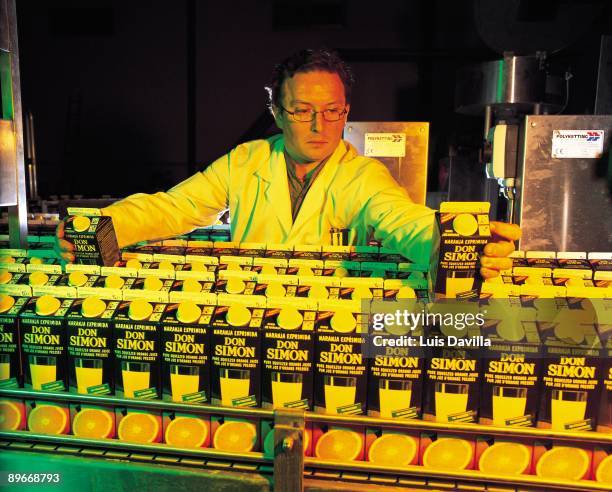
(273, 173)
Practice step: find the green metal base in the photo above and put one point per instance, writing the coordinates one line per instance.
(80, 474)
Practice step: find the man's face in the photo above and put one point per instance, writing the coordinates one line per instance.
(313, 141)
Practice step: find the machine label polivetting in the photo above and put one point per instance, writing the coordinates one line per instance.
(137, 349)
(186, 350)
(236, 350)
(90, 343)
(340, 385)
(10, 369)
(43, 343)
(288, 353)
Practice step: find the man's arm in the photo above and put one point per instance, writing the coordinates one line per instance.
(407, 227)
(195, 202)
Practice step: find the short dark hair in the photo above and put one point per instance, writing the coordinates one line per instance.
(309, 60)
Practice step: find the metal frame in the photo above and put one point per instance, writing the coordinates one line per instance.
(18, 214)
(291, 470)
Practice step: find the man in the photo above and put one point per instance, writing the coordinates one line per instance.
(293, 188)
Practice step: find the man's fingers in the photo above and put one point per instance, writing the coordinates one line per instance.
(512, 232)
(65, 245)
(67, 257)
(496, 263)
(59, 231)
(499, 249)
(488, 272)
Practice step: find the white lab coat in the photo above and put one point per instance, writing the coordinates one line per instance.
(351, 192)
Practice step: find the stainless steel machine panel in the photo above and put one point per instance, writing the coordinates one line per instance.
(409, 168)
(565, 204)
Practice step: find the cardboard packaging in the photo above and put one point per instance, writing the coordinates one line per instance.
(288, 353)
(11, 371)
(340, 385)
(236, 350)
(44, 343)
(186, 349)
(573, 373)
(90, 343)
(137, 346)
(93, 237)
(459, 239)
(511, 366)
(396, 367)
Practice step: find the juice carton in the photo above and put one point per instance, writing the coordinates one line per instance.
(318, 287)
(255, 250)
(186, 430)
(172, 251)
(47, 265)
(378, 269)
(361, 288)
(305, 267)
(395, 371)
(44, 343)
(236, 350)
(13, 260)
(511, 366)
(459, 239)
(270, 266)
(364, 253)
(193, 282)
(601, 263)
(235, 263)
(225, 248)
(572, 265)
(307, 252)
(288, 353)
(337, 253)
(279, 251)
(90, 342)
(340, 385)
(11, 373)
(341, 268)
(186, 349)
(105, 287)
(137, 331)
(572, 374)
(236, 434)
(93, 237)
(236, 282)
(276, 285)
(390, 447)
(390, 255)
(604, 422)
(138, 426)
(93, 421)
(541, 262)
(452, 373)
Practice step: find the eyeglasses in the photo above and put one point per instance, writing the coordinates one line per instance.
(307, 115)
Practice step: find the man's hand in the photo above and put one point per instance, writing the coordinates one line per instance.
(63, 248)
(495, 253)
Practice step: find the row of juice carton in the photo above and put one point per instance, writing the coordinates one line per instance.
(461, 362)
(436, 451)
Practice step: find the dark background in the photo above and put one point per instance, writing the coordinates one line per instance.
(132, 96)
